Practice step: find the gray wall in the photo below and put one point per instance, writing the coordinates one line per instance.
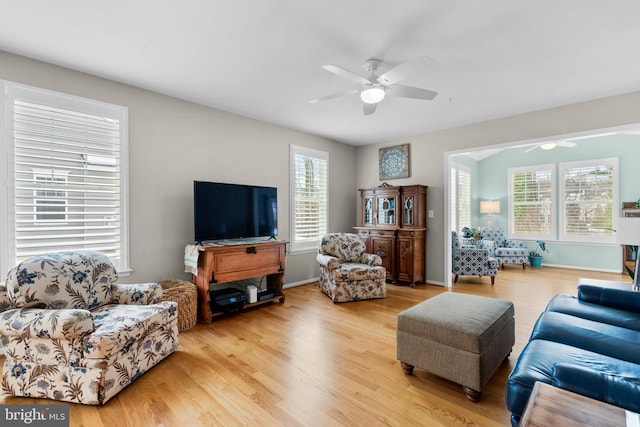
(428, 153)
(172, 143)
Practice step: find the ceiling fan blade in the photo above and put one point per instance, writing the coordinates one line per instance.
(368, 108)
(346, 74)
(399, 72)
(411, 92)
(334, 95)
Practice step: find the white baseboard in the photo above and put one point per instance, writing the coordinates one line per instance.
(573, 267)
(303, 282)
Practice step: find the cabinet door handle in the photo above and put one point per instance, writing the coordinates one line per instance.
(381, 233)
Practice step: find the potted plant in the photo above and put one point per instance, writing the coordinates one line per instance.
(535, 257)
(467, 233)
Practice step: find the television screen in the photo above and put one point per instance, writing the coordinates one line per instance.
(231, 211)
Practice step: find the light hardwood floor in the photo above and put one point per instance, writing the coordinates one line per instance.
(309, 362)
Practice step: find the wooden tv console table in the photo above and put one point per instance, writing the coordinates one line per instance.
(219, 263)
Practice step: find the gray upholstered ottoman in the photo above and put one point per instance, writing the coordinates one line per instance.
(463, 338)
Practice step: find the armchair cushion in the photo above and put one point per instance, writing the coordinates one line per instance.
(118, 327)
(346, 247)
(80, 279)
(355, 271)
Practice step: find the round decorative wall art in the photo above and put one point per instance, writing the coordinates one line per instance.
(394, 162)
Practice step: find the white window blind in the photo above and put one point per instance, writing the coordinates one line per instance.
(531, 202)
(68, 189)
(309, 190)
(460, 197)
(589, 194)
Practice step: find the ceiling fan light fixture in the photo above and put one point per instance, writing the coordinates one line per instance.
(548, 146)
(372, 94)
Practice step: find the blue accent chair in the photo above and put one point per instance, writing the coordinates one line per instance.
(471, 261)
(504, 250)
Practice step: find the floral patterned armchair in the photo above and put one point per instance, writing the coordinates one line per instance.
(71, 333)
(471, 261)
(504, 250)
(347, 272)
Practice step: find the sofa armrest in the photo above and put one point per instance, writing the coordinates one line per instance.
(603, 386)
(489, 245)
(475, 254)
(328, 261)
(615, 297)
(370, 259)
(43, 323)
(136, 294)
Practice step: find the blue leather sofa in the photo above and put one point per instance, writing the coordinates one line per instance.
(589, 345)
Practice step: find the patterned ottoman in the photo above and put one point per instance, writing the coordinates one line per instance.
(463, 338)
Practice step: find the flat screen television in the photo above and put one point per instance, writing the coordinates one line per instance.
(232, 211)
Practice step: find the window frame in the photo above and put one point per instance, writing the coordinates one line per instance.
(306, 245)
(455, 170)
(551, 235)
(562, 205)
(10, 93)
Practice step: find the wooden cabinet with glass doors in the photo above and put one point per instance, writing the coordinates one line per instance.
(394, 227)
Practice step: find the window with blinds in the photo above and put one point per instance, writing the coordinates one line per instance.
(460, 197)
(309, 192)
(67, 190)
(531, 202)
(588, 197)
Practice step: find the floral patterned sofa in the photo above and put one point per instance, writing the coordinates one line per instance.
(71, 333)
(347, 272)
(504, 250)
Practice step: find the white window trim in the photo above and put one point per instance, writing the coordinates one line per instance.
(454, 203)
(554, 198)
(594, 239)
(10, 91)
(307, 246)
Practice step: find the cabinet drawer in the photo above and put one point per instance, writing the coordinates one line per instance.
(382, 233)
(363, 233)
(405, 233)
(253, 257)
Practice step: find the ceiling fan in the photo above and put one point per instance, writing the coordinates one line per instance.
(374, 87)
(551, 145)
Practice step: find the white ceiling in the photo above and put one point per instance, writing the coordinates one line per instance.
(263, 58)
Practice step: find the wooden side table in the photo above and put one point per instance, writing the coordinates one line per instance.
(553, 406)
